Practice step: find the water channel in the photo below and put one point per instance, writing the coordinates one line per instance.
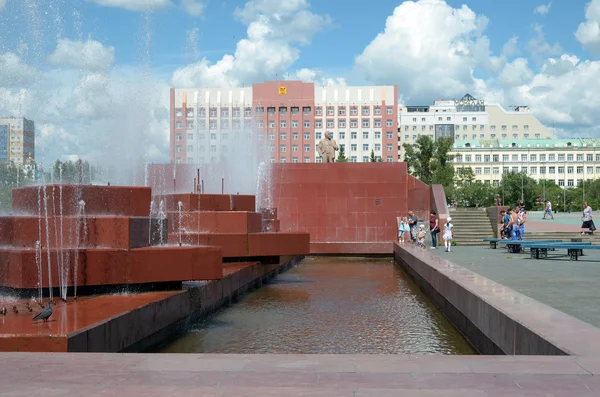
(328, 305)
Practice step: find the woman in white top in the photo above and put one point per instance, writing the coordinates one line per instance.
(587, 218)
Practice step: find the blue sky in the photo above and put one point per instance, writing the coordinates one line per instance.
(332, 49)
(80, 68)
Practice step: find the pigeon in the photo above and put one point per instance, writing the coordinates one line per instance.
(44, 314)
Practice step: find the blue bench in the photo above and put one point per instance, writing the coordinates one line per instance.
(515, 246)
(493, 242)
(574, 250)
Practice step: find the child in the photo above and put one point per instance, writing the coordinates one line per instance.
(402, 228)
(448, 234)
(421, 236)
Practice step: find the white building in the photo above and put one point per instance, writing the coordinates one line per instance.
(468, 119)
(565, 161)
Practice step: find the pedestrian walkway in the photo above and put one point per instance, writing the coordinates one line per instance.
(569, 286)
(91, 375)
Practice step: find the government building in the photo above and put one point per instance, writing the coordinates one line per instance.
(285, 118)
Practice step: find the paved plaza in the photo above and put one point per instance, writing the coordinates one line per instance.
(291, 375)
(569, 286)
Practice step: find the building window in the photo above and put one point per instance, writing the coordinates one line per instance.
(271, 124)
(561, 170)
(353, 111)
(295, 136)
(306, 136)
(283, 148)
(342, 135)
(377, 123)
(178, 113)
(330, 110)
(319, 111)
(283, 136)
(478, 158)
(329, 123)
(365, 135)
(561, 183)
(365, 110)
(317, 135)
(378, 147)
(353, 147)
(178, 124)
(294, 148)
(377, 111)
(342, 111)
(464, 119)
(570, 183)
(271, 111)
(365, 123)
(306, 111)
(389, 135)
(377, 135)
(365, 146)
(389, 147)
(389, 110)
(342, 124)
(294, 159)
(294, 123)
(318, 124)
(353, 135)
(306, 149)
(307, 124)
(260, 111)
(271, 136)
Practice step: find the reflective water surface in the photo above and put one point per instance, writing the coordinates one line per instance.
(328, 305)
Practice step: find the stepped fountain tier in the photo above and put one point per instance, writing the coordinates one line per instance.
(232, 223)
(168, 258)
(70, 238)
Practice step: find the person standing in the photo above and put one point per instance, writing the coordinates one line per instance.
(514, 224)
(548, 210)
(412, 226)
(588, 220)
(448, 234)
(506, 223)
(522, 221)
(434, 228)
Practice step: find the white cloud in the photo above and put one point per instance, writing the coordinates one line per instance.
(588, 33)
(542, 9)
(317, 77)
(90, 55)
(540, 48)
(511, 47)
(275, 29)
(193, 7)
(428, 49)
(2, 4)
(13, 72)
(515, 73)
(134, 5)
(433, 51)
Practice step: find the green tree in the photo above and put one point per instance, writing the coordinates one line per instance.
(342, 155)
(373, 159)
(430, 160)
(515, 184)
(476, 194)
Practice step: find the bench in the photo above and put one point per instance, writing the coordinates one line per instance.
(493, 242)
(514, 246)
(574, 250)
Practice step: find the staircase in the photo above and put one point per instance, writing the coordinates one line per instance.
(471, 226)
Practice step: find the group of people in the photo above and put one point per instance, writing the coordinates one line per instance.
(513, 222)
(409, 225)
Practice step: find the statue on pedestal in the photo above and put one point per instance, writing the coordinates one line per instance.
(327, 148)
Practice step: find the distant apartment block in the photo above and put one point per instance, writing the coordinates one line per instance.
(17, 140)
(288, 118)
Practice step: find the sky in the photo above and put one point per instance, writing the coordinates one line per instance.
(95, 74)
